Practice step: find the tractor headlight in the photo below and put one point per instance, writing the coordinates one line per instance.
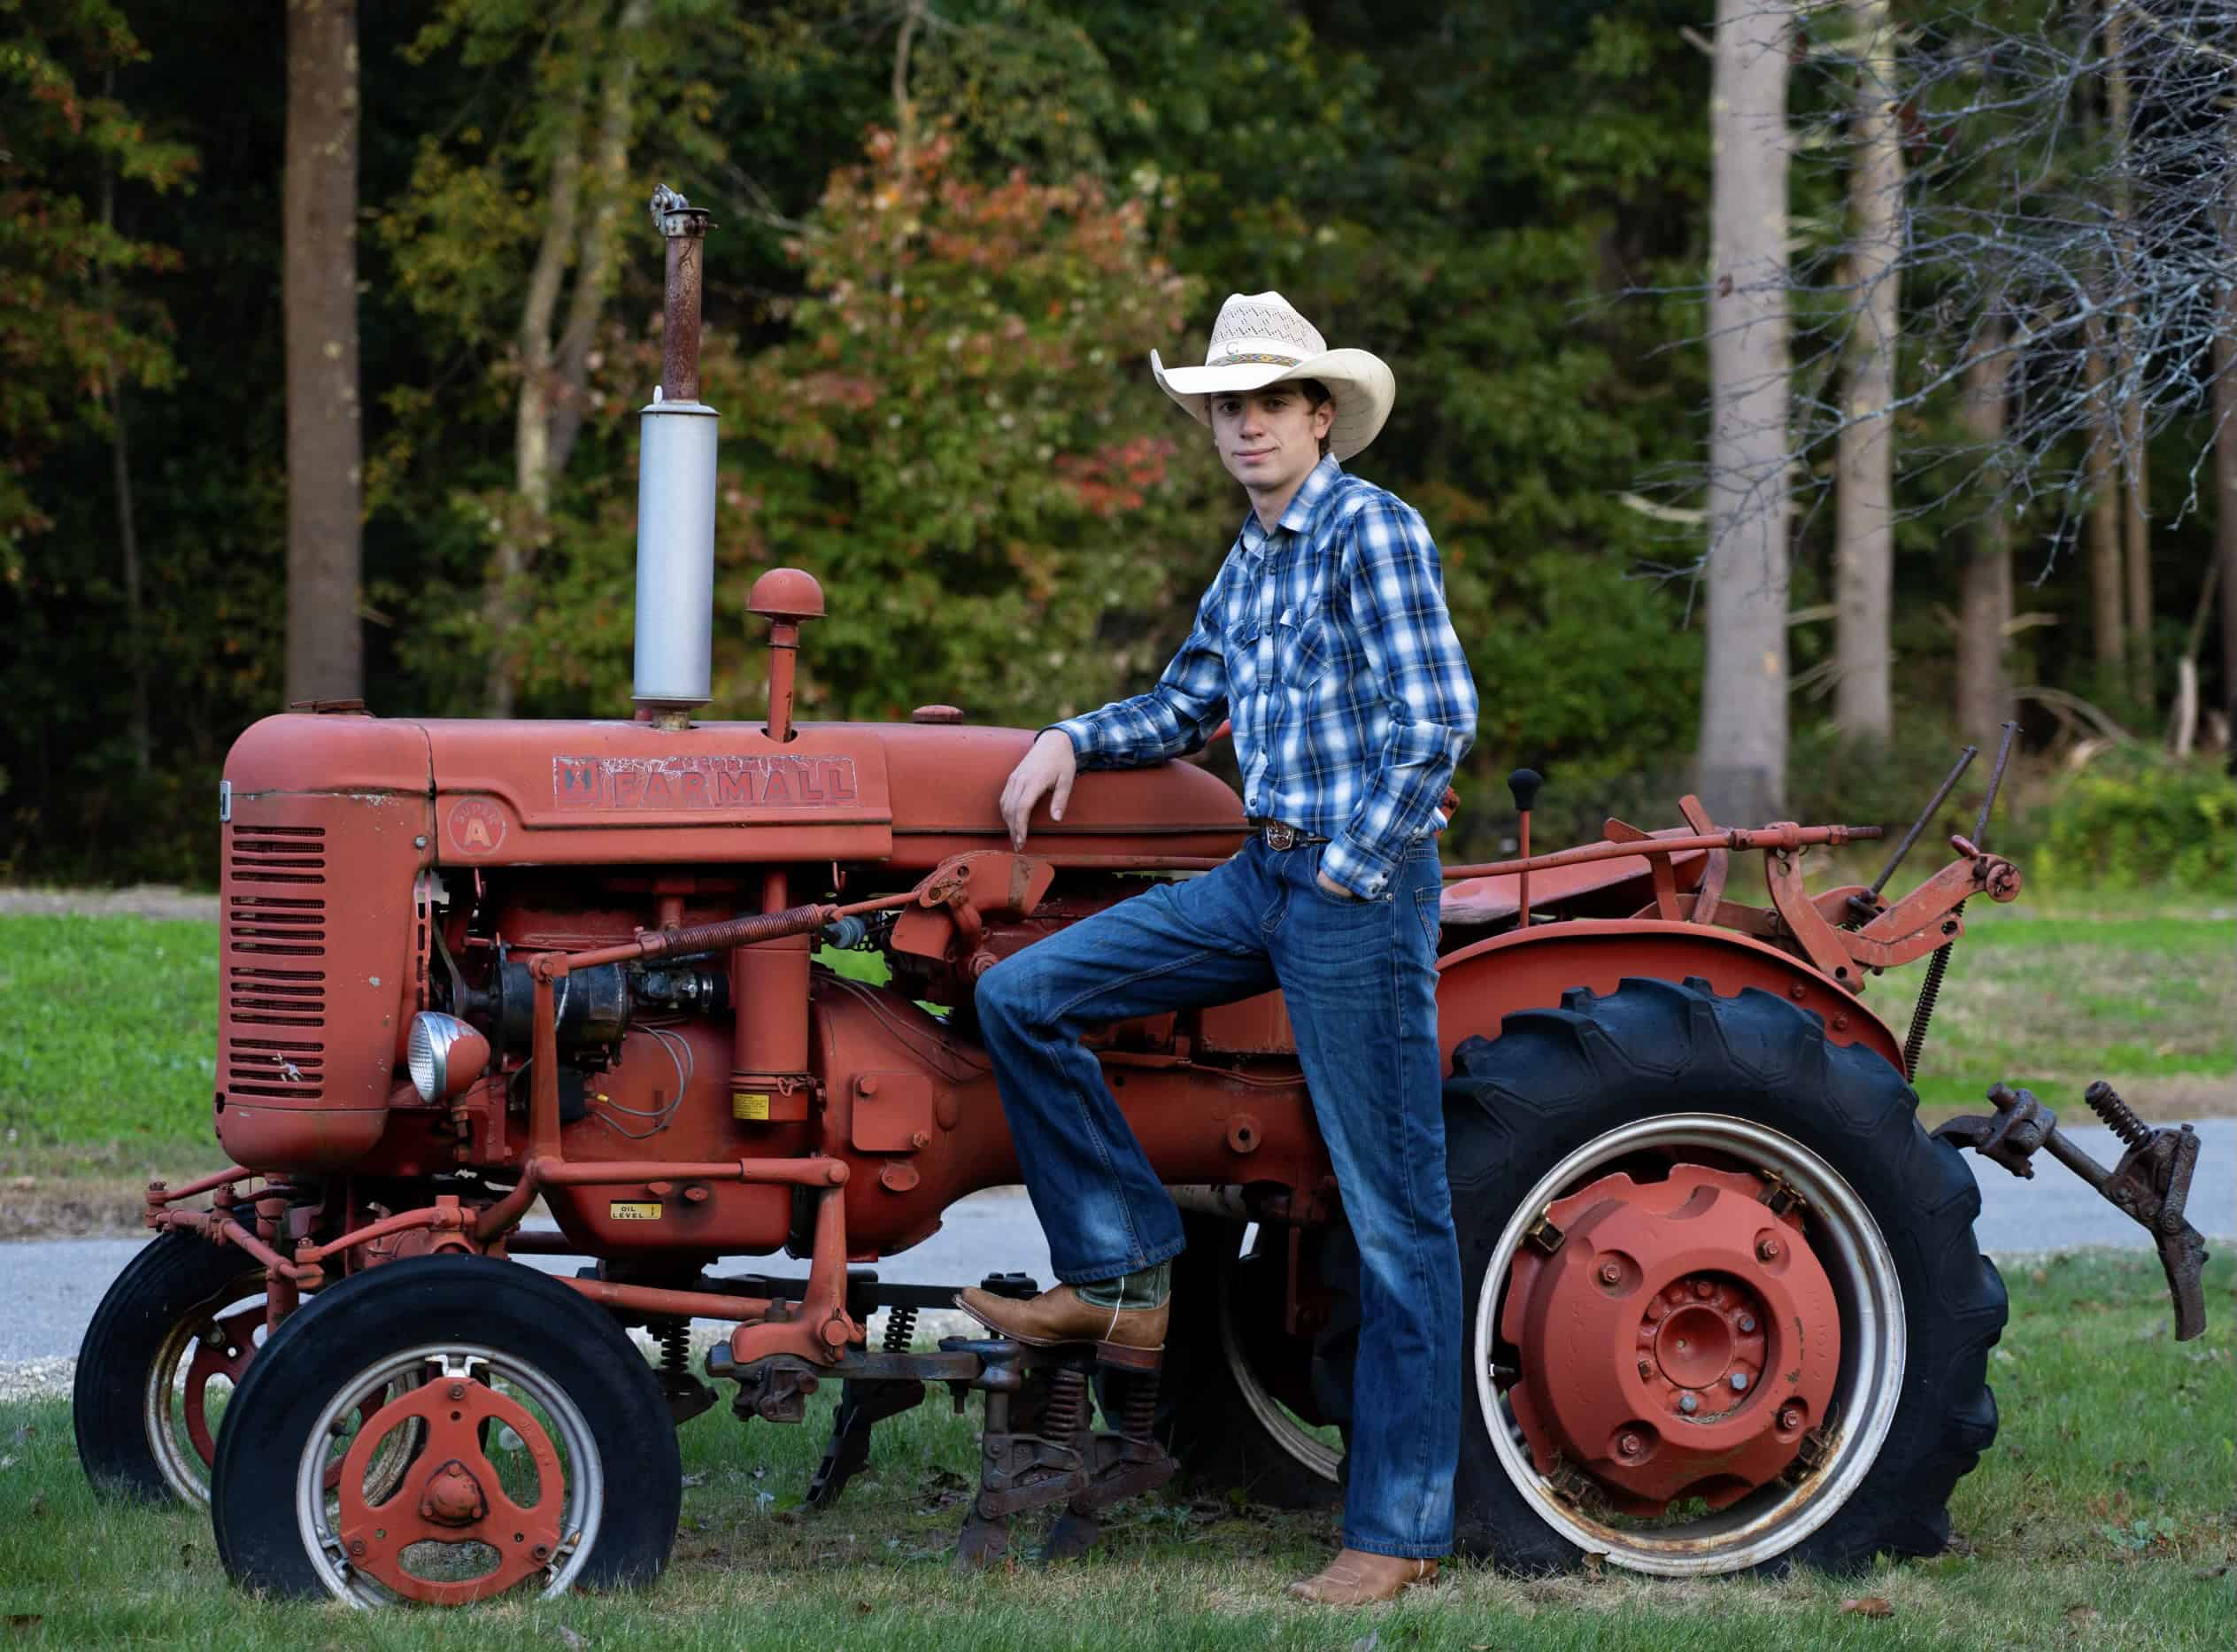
(444, 1054)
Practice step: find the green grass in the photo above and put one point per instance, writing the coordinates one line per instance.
(2103, 1518)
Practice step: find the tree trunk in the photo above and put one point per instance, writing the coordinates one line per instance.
(2135, 471)
(1984, 602)
(325, 652)
(120, 477)
(1743, 741)
(2108, 605)
(2225, 441)
(548, 415)
(1863, 520)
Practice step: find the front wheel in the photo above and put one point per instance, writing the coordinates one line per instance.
(1727, 1312)
(444, 1429)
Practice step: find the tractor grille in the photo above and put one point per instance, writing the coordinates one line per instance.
(275, 981)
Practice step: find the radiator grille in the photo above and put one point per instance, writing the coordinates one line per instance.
(275, 981)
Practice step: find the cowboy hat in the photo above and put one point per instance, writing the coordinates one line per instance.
(1259, 340)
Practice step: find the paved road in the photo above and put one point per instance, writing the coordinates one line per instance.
(53, 1286)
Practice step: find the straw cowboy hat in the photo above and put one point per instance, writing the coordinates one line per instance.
(1259, 340)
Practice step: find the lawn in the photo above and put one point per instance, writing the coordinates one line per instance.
(2103, 1518)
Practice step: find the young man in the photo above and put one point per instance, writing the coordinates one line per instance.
(1325, 639)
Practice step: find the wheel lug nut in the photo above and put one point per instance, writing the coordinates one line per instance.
(1610, 1274)
(1739, 1382)
(1630, 1445)
(357, 1545)
(1746, 1323)
(458, 1391)
(1688, 1404)
(1767, 1249)
(1646, 1371)
(1790, 1419)
(1703, 1289)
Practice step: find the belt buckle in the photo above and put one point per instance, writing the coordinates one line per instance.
(1280, 835)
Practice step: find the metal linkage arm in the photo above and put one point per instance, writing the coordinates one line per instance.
(2150, 1185)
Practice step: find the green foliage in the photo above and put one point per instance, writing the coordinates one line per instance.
(2134, 819)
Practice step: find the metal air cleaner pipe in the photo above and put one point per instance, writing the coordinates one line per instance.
(675, 491)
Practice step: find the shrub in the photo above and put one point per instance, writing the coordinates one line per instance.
(2134, 818)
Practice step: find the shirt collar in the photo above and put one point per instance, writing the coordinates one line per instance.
(1304, 506)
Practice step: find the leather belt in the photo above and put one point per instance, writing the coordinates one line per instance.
(1282, 835)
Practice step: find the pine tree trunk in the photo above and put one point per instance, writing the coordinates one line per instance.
(120, 478)
(2225, 441)
(1985, 601)
(1743, 741)
(2135, 469)
(325, 652)
(2108, 601)
(1863, 520)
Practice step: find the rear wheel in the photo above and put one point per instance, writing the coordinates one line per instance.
(170, 1342)
(1727, 1307)
(1236, 1404)
(445, 1430)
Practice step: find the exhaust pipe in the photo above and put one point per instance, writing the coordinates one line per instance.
(675, 493)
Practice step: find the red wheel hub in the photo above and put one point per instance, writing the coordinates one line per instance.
(1678, 1343)
(451, 1494)
(223, 1349)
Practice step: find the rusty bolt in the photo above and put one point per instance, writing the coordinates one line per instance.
(695, 1195)
(1610, 1274)
(540, 1551)
(1746, 1323)
(1688, 1404)
(1655, 1309)
(921, 1139)
(458, 1391)
(1767, 1249)
(357, 1545)
(1630, 1445)
(1795, 991)
(1646, 1371)
(1790, 1418)
(1703, 1289)
(1739, 1382)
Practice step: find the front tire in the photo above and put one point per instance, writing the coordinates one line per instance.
(1601, 1100)
(541, 1455)
(172, 1336)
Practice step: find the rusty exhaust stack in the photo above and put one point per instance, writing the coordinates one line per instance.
(675, 493)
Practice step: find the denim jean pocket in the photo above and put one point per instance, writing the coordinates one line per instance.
(1347, 901)
(1428, 908)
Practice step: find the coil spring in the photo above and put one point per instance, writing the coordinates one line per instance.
(1139, 1416)
(1914, 1040)
(675, 1347)
(2107, 1105)
(900, 1329)
(1065, 1414)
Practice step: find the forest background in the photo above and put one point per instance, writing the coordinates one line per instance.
(949, 232)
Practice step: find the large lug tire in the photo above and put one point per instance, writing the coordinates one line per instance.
(1234, 1382)
(538, 1455)
(173, 1334)
(1659, 1080)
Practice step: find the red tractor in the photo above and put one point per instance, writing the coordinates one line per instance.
(1727, 1309)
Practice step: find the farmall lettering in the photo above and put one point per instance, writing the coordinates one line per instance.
(632, 784)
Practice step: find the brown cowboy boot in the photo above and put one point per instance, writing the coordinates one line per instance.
(1124, 1336)
(1355, 1578)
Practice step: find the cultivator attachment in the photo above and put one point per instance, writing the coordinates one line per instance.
(2150, 1185)
(1038, 1446)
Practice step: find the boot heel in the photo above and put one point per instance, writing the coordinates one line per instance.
(1129, 1358)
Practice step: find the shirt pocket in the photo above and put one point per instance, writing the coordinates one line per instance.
(1304, 645)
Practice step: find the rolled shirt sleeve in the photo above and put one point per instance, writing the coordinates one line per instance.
(1396, 587)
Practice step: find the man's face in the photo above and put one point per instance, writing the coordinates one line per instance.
(1270, 439)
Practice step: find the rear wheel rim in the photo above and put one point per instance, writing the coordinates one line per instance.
(1848, 1240)
(319, 1506)
(1288, 1433)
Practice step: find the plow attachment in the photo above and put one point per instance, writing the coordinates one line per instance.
(2150, 1185)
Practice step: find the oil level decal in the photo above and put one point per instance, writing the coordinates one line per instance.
(476, 826)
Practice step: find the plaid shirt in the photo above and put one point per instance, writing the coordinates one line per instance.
(1328, 642)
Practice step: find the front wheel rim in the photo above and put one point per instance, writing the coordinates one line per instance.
(1775, 1519)
(1290, 1436)
(583, 1501)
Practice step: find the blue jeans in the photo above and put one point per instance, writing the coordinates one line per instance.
(1359, 978)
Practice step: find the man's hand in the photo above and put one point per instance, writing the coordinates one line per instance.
(1048, 767)
(1329, 886)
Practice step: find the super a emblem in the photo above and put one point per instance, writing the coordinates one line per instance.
(475, 826)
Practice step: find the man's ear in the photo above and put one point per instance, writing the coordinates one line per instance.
(1324, 418)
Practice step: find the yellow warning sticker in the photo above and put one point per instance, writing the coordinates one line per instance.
(622, 1211)
(750, 1104)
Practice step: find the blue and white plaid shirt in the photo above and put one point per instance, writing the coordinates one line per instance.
(1328, 644)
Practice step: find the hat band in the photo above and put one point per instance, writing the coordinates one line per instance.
(1244, 358)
